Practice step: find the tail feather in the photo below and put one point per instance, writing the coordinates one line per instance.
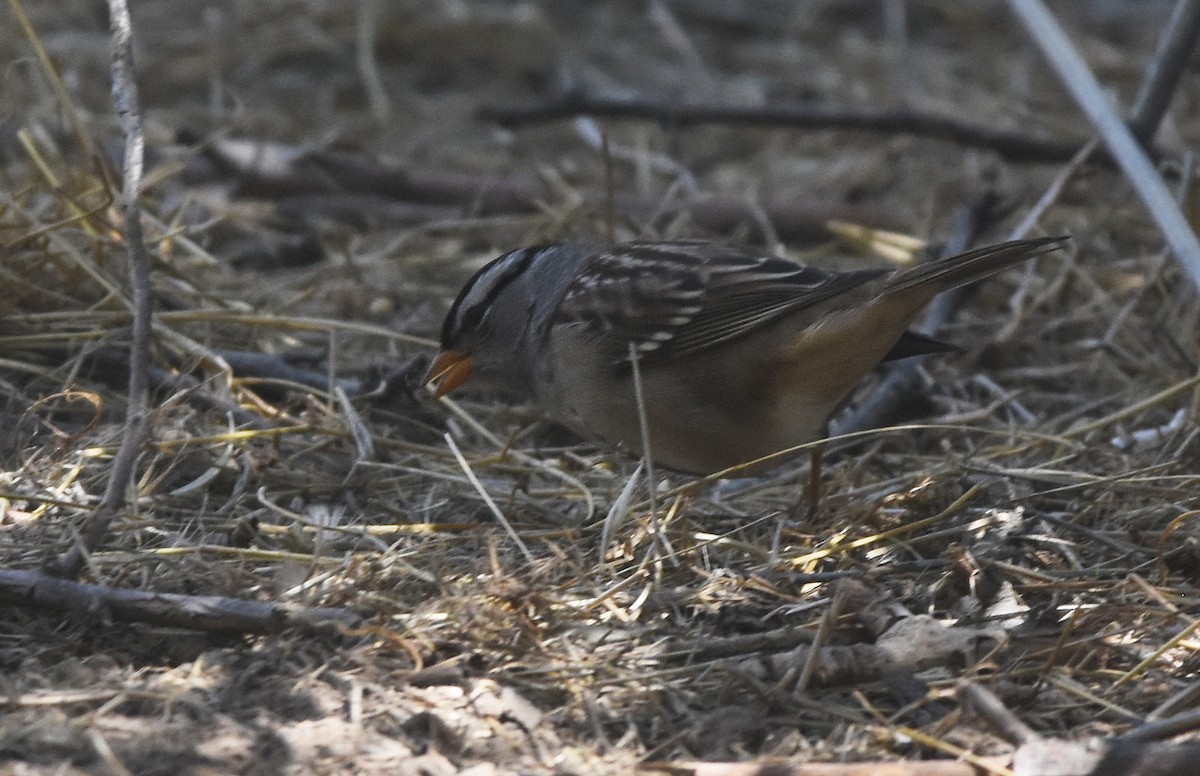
(964, 268)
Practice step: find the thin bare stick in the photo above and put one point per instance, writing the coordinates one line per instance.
(365, 32)
(1124, 147)
(524, 458)
(1162, 75)
(1135, 409)
(1158, 730)
(121, 475)
(824, 630)
(1013, 146)
(618, 511)
(610, 205)
(200, 612)
(487, 498)
(644, 427)
(984, 703)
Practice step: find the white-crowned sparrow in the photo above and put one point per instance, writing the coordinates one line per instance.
(739, 354)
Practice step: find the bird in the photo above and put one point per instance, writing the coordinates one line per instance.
(735, 354)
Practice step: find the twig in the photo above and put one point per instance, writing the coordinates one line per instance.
(276, 366)
(610, 207)
(824, 630)
(1124, 147)
(358, 188)
(1184, 699)
(868, 768)
(1132, 410)
(995, 713)
(883, 536)
(365, 33)
(620, 509)
(111, 366)
(1014, 146)
(525, 459)
(981, 764)
(199, 612)
(1186, 722)
(1162, 76)
(125, 99)
(1140, 759)
(644, 429)
(487, 498)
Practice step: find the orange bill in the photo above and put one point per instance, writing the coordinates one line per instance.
(449, 369)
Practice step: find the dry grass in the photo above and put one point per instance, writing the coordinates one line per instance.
(1076, 542)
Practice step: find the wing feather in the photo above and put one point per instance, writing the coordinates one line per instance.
(676, 299)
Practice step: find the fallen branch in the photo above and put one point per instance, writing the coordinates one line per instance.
(35, 589)
(1013, 146)
(357, 188)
